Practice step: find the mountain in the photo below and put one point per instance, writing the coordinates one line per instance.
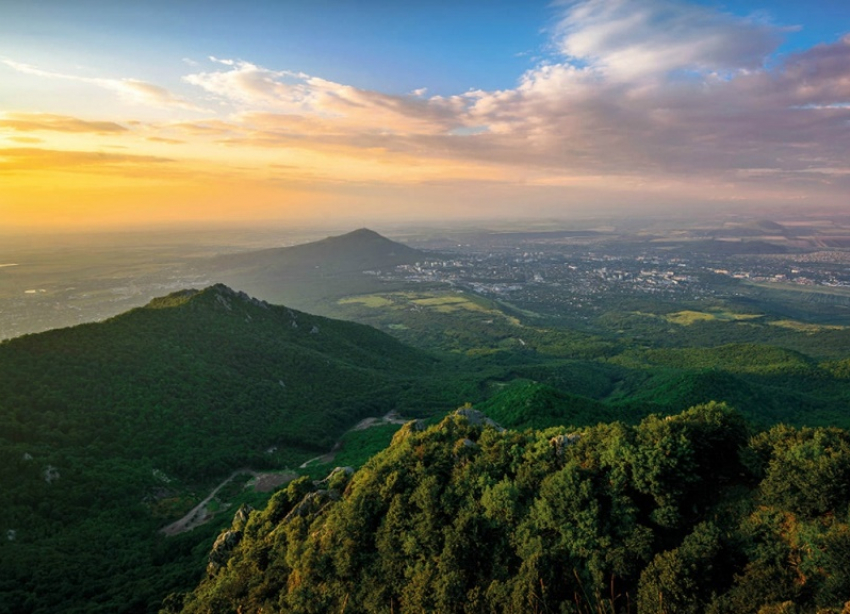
(358, 250)
(685, 513)
(109, 431)
(303, 275)
(525, 404)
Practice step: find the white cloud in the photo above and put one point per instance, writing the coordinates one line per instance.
(250, 88)
(629, 39)
(247, 84)
(133, 90)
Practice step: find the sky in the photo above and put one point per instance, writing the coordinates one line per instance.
(126, 114)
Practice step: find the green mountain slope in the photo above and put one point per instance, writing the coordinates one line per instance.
(526, 404)
(677, 514)
(106, 428)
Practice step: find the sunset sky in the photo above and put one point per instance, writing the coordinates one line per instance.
(132, 113)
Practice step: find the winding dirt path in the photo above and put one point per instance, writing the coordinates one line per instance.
(198, 514)
(390, 418)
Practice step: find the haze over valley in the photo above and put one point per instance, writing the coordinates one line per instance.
(565, 270)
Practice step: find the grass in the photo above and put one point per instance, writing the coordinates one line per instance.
(786, 286)
(805, 327)
(452, 303)
(438, 302)
(375, 301)
(688, 317)
(356, 447)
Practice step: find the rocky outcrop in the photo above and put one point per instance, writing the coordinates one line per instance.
(560, 443)
(313, 503)
(477, 418)
(227, 541)
(222, 549)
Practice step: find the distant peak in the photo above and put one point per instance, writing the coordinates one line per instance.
(361, 233)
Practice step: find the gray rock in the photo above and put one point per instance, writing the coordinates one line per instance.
(240, 518)
(477, 418)
(222, 549)
(51, 474)
(561, 442)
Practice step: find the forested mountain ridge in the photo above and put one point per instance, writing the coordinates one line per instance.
(687, 513)
(201, 354)
(105, 428)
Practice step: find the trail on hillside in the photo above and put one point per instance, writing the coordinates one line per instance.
(198, 515)
(391, 418)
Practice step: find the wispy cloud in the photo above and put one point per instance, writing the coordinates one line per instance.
(636, 40)
(248, 87)
(30, 158)
(35, 122)
(24, 139)
(167, 141)
(133, 90)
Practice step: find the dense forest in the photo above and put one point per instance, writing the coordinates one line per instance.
(687, 513)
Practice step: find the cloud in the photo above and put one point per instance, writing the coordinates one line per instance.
(159, 139)
(212, 128)
(632, 40)
(24, 139)
(133, 90)
(29, 158)
(34, 122)
(248, 87)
